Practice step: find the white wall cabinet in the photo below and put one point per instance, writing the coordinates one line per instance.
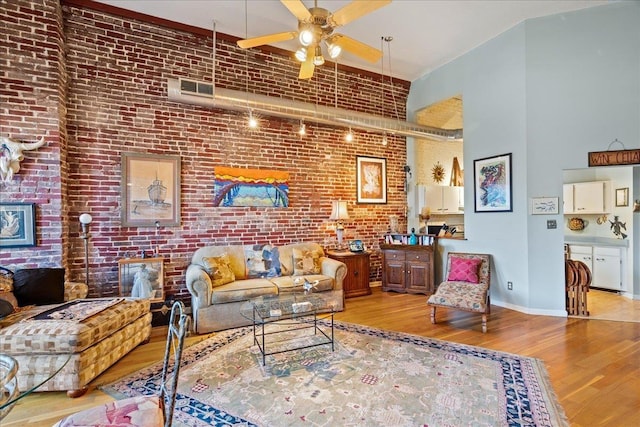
(604, 263)
(592, 197)
(444, 199)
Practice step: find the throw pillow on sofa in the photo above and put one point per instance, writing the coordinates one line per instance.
(306, 262)
(262, 261)
(219, 268)
(39, 286)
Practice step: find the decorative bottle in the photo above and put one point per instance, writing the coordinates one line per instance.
(413, 239)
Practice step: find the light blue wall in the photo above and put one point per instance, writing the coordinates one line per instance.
(548, 91)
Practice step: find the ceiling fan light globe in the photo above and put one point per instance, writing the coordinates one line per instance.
(318, 59)
(334, 50)
(306, 37)
(301, 54)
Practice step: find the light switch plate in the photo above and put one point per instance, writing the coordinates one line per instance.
(551, 223)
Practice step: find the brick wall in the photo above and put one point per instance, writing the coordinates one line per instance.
(116, 70)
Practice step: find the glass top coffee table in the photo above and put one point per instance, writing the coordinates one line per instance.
(279, 321)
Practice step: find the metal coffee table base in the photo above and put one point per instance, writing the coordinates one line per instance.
(324, 337)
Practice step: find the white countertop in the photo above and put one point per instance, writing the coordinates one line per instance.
(598, 241)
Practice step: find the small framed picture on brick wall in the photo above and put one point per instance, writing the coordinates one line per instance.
(17, 225)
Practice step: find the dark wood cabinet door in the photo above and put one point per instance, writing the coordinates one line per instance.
(419, 268)
(394, 271)
(356, 282)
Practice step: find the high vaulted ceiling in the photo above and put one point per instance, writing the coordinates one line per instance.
(426, 34)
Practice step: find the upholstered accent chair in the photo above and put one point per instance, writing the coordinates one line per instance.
(465, 286)
(155, 410)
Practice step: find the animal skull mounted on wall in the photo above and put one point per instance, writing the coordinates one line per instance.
(11, 156)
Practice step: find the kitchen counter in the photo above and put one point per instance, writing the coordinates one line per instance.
(597, 241)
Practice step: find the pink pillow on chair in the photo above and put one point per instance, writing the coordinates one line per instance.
(464, 270)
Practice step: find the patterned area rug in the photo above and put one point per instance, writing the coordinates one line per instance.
(373, 378)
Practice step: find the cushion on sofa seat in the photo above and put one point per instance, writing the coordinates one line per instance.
(306, 262)
(288, 284)
(219, 269)
(39, 286)
(242, 290)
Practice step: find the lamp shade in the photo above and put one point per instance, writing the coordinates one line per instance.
(85, 218)
(339, 210)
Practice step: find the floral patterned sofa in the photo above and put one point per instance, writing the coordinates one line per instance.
(76, 340)
(221, 278)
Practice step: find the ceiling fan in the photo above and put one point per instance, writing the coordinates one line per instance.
(315, 27)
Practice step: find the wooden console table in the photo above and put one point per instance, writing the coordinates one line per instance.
(356, 283)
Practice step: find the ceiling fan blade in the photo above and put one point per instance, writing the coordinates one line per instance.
(268, 39)
(297, 8)
(306, 69)
(355, 47)
(355, 10)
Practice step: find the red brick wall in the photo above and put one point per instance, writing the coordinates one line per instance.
(116, 68)
(32, 105)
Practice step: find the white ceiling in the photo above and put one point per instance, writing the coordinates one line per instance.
(426, 34)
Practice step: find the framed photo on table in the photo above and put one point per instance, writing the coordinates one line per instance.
(150, 190)
(142, 278)
(492, 184)
(371, 179)
(17, 225)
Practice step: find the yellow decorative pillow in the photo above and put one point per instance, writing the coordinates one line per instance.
(306, 262)
(219, 269)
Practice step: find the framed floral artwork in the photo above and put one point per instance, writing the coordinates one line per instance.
(371, 179)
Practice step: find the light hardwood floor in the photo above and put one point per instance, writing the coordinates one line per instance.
(594, 365)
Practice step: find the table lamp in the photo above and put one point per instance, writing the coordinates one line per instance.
(339, 213)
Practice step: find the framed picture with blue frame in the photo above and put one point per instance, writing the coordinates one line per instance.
(17, 225)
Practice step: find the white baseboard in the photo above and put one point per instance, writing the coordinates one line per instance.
(534, 311)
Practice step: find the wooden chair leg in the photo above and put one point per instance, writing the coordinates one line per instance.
(484, 323)
(433, 315)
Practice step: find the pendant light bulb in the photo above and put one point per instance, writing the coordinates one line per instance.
(303, 129)
(384, 139)
(252, 122)
(349, 136)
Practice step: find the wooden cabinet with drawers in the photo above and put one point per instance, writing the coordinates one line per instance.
(407, 268)
(356, 282)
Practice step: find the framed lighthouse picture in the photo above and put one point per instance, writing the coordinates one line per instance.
(150, 190)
